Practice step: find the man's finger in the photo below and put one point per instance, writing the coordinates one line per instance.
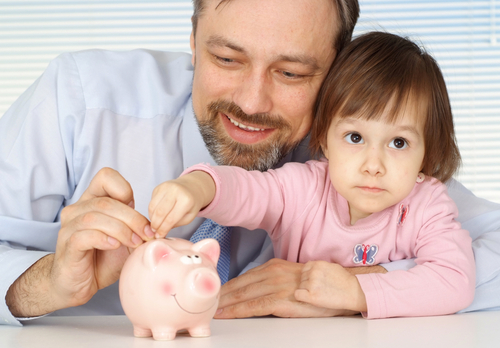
(245, 293)
(86, 214)
(109, 183)
(271, 305)
(110, 227)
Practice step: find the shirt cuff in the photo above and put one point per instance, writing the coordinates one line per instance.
(400, 265)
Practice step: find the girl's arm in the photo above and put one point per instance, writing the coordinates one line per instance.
(443, 281)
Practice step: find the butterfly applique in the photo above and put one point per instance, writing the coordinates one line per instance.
(365, 253)
(403, 213)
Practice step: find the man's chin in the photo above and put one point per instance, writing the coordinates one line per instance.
(261, 156)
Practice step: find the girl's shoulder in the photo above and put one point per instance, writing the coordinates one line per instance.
(431, 194)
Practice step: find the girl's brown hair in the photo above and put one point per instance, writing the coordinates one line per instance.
(379, 70)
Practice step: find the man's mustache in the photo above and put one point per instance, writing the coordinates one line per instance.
(264, 120)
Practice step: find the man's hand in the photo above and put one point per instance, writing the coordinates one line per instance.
(90, 252)
(330, 285)
(177, 202)
(269, 289)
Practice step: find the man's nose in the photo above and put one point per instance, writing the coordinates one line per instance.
(374, 162)
(253, 95)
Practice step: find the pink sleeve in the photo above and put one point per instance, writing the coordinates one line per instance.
(443, 282)
(257, 200)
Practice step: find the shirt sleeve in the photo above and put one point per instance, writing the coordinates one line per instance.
(273, 201)
(482, 219)
(36, 173)
(443, 280)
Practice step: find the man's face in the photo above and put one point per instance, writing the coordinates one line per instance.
(258, 67)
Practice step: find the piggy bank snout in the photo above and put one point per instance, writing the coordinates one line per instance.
(205, 283)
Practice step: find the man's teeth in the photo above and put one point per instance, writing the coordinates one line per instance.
(242, 126)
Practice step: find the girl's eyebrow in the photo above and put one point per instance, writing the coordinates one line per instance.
(409, 128)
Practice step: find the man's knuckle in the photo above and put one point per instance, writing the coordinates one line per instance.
(66, 212)
(103, 204)
(87, 219)
(105, 172)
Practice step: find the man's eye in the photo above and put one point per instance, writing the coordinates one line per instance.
(290, 75)
(354, 138)
(224, 60)
(399, 143)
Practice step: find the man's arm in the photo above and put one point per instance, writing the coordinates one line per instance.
(269, 289)
(91, 250)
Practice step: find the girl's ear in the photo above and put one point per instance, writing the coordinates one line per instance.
(325, 151)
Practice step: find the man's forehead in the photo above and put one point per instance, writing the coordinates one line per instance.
(293, 29)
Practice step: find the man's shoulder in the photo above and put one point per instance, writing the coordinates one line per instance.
(140, 82)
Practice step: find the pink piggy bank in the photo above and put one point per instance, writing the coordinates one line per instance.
(171, 284)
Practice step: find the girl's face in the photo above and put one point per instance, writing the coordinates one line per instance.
(374, 164)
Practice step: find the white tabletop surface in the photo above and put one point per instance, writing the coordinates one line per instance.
(469, 330)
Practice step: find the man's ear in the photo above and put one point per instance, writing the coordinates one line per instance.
(191, 43)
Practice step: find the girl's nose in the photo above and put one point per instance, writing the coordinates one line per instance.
(374, 163)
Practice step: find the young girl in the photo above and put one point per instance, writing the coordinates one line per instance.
(384, 125)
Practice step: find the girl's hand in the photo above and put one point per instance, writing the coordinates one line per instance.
(177, 202)
(330, 285)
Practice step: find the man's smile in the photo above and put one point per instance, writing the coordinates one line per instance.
(242, 133)
(244, 127)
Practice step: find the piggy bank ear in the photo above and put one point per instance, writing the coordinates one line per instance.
(209, 247)
(156, 251)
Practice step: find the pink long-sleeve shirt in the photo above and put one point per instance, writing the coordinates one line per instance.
(308, 220)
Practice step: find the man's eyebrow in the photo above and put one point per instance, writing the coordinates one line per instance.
(301, 59)
(219, 41)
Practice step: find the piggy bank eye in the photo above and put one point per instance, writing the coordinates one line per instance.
(196, 259)
(187, 260)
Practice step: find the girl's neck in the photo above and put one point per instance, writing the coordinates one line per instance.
(356, 215)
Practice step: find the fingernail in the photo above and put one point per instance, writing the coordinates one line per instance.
(131, 204)
(219, 311)
(148, 231)
(136, 239)
(113, 241)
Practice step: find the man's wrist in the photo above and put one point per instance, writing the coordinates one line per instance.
(30, 295)
(366, 270)
(358, 296)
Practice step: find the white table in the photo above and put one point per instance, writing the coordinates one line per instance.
(454, 331)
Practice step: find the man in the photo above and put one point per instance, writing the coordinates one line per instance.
(258, 67)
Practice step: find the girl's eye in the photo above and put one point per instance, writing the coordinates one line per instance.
(399, 143)
(354, 138)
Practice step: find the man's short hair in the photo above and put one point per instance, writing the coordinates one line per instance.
(348, 11)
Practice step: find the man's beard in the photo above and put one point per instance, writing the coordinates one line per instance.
(226, 151)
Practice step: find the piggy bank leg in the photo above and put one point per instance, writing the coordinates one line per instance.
(142, 332)
(164, 333)
(200, 331)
